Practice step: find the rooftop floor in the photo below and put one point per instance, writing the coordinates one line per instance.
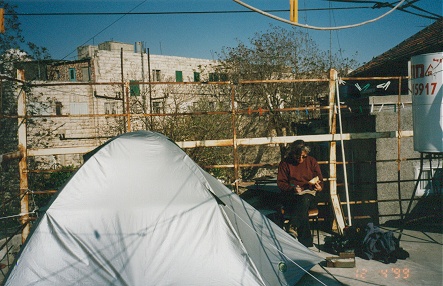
(423, 267)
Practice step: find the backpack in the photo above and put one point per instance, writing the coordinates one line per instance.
(381, 246)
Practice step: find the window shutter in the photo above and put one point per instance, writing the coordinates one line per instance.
(178, 76)
(134, 88)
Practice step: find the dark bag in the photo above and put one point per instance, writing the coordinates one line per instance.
(381, 246)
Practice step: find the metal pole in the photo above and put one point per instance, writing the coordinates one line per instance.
(150, 89)
(412, 196)
(342, 143)
(23, 166)
(399, 149)
(234, 138)
(123, 87)
(128, 112)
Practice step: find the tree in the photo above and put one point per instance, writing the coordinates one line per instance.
(11, 53)
(277, 54)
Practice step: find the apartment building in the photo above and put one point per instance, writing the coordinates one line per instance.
(79, 103)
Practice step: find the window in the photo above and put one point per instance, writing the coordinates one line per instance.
(178, 76)
(72, 74)
(134, 88)
(56, 74)
(218, 77)
(224, 77)
(196, 76)
(86, 76)
(78, 108)
(157, 106)
(58, 108)
(110, 108)
(156, 75)
(428, 183)
(213, 77)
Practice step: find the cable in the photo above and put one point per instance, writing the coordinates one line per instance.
(179, 12)
(104, 29)
(345, 173)
(317, 27)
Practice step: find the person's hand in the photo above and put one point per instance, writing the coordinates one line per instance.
(298, 189)
(317, 187)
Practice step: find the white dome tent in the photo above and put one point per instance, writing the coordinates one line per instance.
(141, 212)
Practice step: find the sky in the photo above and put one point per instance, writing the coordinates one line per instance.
(204, 35)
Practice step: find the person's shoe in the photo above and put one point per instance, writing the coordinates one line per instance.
(292, 232)
(306, 242)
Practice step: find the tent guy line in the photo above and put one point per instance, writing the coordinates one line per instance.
(278, 250)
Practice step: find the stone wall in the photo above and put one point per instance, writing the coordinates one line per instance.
(74, 115)
(388, 119)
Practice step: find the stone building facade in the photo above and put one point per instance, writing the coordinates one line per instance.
(83, 103)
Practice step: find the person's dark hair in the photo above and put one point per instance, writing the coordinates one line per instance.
(297, 147)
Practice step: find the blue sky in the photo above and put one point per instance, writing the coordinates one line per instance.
(204, 35)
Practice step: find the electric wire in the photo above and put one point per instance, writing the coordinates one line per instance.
(318, 27)
(107, 27)
(378, 5)
(180, 12)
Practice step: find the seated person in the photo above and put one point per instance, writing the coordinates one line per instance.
(294, 174)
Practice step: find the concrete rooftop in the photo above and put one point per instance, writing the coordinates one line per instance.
(423, 267)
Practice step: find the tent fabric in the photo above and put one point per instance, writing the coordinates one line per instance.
(141, 212)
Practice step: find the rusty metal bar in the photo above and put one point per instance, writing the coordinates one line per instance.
(375, 77)
(23, 166)
(10, 156)
(208, 82)
(229, 142)
(399, 147)
(120, 83)
(128, 108)
(284, 80)
(248, 111)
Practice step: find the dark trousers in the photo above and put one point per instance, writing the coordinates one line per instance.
(297, 207)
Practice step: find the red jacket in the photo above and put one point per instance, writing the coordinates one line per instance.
(291, 174)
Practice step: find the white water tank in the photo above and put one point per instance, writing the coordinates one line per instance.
(425, 86)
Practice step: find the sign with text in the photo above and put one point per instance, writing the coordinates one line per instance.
(425, 86)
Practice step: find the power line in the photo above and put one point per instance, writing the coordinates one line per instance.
(430, 16)
(179, 12)
(317, 27)
(107, 27)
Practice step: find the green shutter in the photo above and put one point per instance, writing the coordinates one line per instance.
(178, 76)
(134, 88)
(196, 76)
(72, 75)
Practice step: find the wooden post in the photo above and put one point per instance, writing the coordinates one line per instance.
(336, 206)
